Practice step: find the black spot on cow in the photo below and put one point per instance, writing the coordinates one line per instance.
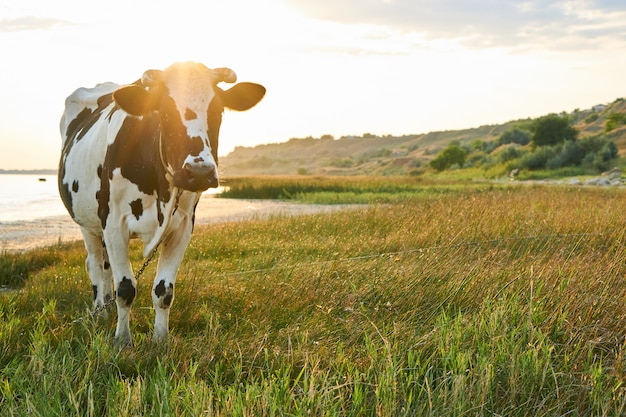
(196, 146)
(66, 196)
(190, 115)
(105, 100)
(137, 151)
(95, 291)
(159, 290)
(102, 196)
(75, 186)
(160, 216)
(167, 300)
(107, 265)
(136, 208)
(166, 293)
(126, 291)
(81, 123)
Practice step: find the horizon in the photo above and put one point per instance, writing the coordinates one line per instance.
(340, 67)
(43, 171)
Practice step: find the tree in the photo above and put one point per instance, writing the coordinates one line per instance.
(552, 129)
(453, 154)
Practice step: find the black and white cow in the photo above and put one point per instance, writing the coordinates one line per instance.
(135, 161)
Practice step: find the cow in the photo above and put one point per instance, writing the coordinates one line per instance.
(134, 163)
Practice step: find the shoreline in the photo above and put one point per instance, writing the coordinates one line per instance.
(25, 235)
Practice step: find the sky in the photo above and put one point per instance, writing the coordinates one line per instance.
(338, 67)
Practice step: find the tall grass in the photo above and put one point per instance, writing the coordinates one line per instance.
(479, 302)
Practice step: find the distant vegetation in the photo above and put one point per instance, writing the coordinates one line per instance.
(550, 142)
(582, 142)
(342, 190)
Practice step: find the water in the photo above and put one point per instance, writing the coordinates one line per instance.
(31, 197)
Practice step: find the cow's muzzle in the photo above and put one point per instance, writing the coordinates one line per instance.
(196, 178)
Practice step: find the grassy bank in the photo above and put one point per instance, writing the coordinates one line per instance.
(502, 301)
(344, 190)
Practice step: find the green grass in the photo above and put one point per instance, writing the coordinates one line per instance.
(343, 190)
(503, 301)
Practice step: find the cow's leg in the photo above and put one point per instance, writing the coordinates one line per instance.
(108, 276)
(163, 289)
(124, 282)
(99, 271)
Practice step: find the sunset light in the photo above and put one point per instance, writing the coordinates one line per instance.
(340, 67)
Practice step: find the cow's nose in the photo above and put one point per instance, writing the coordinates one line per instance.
(200, 170)
(203, 173)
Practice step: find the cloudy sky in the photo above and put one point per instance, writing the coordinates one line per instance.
(340, 67)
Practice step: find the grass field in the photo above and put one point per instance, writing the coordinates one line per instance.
(458, 301)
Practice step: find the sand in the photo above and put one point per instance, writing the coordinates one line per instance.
(25, 235)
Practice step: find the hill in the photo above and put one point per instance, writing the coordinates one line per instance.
(384, 155)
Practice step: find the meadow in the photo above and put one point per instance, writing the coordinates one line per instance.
(449, 299)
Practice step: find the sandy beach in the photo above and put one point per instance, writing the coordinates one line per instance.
(18, 236)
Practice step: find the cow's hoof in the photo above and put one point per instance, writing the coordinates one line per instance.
(123, 342)
(159, 340)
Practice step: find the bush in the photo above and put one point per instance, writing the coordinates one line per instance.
(515, 135)
(568, 154)
(508, 154)
(601, 160)
(593, 152)
(537, 159)
(450, 156)
(599, 143)
(614, 120)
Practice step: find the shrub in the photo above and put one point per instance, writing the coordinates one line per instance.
(515, 135)
(600, 160)
(598, 143)
(450, 156)
(593, 152)
(537, 159)
(509, 153)
(568, 154)
(614, 120)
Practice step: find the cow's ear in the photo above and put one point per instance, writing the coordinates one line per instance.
(242, 96)
(134, 100)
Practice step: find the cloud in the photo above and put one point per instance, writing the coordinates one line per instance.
(27, 23)
(484, 23)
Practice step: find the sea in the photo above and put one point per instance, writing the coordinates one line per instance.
(27, 197)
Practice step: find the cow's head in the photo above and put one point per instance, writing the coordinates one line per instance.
(190, 107)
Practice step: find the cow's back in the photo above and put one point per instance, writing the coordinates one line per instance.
(86, 126)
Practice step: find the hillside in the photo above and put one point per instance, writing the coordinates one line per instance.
(384, 155)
